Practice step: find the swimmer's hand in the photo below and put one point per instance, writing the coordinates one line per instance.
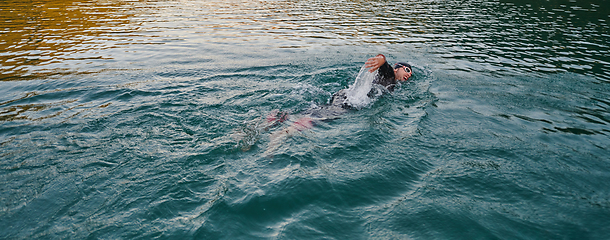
(375, 62)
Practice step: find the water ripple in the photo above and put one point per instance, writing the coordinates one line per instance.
(146, 119)
(527, 37)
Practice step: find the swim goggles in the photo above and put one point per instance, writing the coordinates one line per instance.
(407, 67)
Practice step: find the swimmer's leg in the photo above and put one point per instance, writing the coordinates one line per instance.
(247, 136)
(274, 118)
(277, 137)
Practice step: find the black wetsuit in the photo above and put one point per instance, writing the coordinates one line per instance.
(338, 106)
(386, 77)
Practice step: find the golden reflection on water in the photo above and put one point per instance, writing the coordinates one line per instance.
(15, 112)
(35, 34)
(48, 37)
(343, 22)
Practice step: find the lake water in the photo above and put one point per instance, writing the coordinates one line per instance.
(147, 119)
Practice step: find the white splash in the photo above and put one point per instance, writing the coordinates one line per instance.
(357, 94)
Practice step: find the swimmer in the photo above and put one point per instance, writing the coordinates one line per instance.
(386, 77)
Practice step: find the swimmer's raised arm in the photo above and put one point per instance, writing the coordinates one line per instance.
(375, 62)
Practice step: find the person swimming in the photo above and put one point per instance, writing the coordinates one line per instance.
(386, 76)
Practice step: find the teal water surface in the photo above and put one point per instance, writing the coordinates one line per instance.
(147, 119)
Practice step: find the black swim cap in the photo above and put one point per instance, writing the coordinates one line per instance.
(402, 64)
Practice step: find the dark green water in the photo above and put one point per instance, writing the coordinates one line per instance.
(127, 119)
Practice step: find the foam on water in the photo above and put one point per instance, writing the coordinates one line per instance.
(357, 94)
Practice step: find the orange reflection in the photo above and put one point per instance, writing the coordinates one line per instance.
(37, 33)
